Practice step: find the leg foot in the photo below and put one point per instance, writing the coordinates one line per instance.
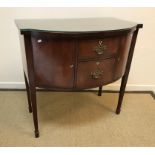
(30, 109)
(100, 91)
(118, 111)
(121, 94)
(36, 134)
(28, 94)
(34, 109)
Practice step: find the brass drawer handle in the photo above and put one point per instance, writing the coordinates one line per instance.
(97, 74)
(100, 48)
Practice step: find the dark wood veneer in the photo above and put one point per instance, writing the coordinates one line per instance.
(84, 78)
(87, 47)
(53, 62)
(71, 61)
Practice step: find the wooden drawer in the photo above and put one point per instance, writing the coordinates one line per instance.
(99, 48)
(95, 73)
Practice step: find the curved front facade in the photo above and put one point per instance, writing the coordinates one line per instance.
(79, 62)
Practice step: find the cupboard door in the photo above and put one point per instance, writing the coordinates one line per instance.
(53, 62)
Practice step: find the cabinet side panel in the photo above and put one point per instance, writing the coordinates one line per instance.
(121, 60)
(24, 60)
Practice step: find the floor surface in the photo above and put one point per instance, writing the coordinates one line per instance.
(77, 119)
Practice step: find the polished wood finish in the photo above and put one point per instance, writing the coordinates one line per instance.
(122, 55)
(85, 79)
(71, 58)
(87, 48)
(77, 25)
(53, 62)
(31, 77)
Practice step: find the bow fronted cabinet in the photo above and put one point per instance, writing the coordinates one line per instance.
(75, 54)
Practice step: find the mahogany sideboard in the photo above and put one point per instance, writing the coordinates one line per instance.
(75, 54)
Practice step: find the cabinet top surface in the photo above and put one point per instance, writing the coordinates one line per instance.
(74, 25)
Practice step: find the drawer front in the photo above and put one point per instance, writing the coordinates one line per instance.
(95, 73)
(53, 62)
(99, 48)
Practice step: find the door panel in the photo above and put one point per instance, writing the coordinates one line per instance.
(53, 62)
